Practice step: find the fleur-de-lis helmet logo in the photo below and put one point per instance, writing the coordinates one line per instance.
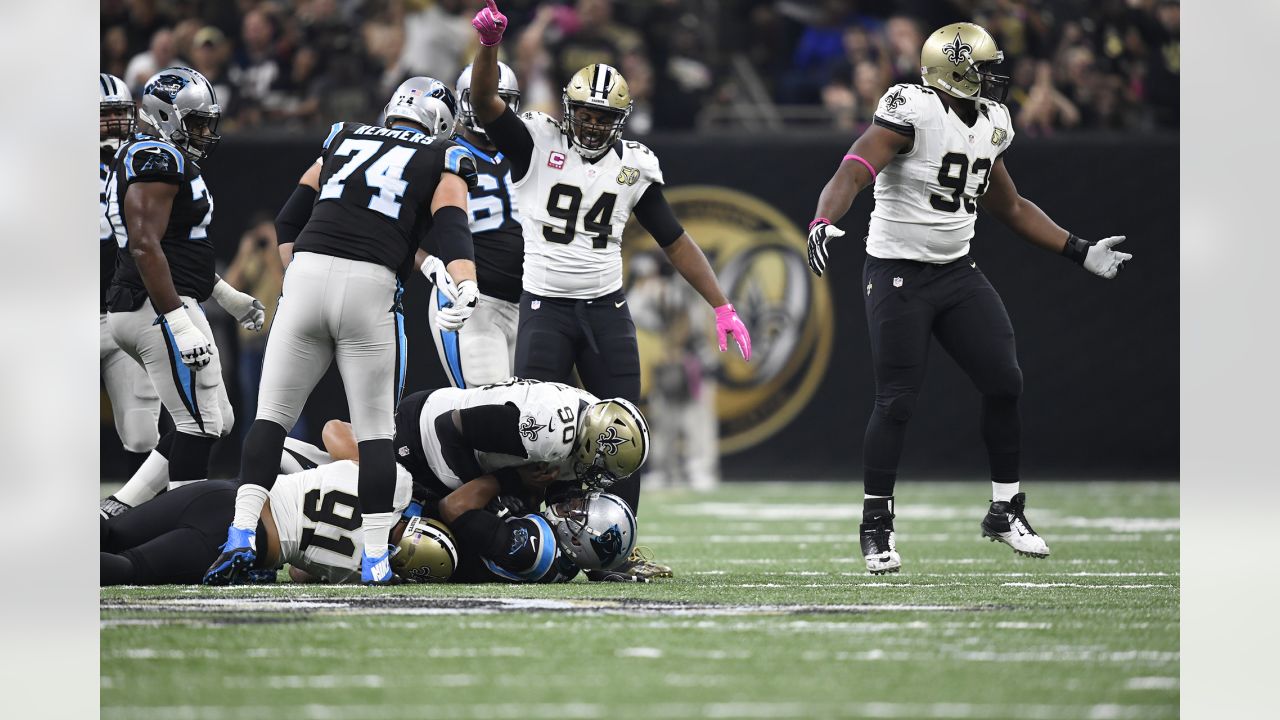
(609, 441)
(957, 51)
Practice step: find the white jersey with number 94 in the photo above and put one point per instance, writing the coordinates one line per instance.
(573, 211)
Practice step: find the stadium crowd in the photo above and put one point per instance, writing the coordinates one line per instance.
(1076, 64)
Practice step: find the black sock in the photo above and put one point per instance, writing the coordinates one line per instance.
(874, 507)
(260, 459)
(189, 457)
(377, 476)
(1002, 432)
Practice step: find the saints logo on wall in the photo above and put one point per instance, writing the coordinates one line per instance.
(759, 256)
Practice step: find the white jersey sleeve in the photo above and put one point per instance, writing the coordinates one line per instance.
(315, 513)
(926, 199)
(573, 211)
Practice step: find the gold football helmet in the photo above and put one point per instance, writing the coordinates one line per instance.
(613, 442)
(601, 89)
(426, 552)
(954, 59)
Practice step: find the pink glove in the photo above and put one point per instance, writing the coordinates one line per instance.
(490, 23)
(727, 321)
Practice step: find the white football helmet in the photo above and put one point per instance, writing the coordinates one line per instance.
(116, 111)
(597, 530)
(425, 101)
(508, 90)
(183, 108)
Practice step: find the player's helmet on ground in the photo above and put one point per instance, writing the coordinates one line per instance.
(426, 552)
(597, 530)
(180, 104)
(115, 111)
(508, 90)
(425, 101)
(601, 89)
(957, 59)
(613, 442)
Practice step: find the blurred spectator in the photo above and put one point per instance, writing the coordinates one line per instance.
(144, 22)
(210, 52)
(438, 40)
(821, 45)
(161, 54)
(115, 51)
(905, 40)
(254, 68)
(573, 38)
(256, 269)
(1045, 109)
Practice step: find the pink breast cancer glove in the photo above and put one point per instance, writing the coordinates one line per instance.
(490, 23)
(728, 322)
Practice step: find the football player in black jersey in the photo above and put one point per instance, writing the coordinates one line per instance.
(160, 208)
(483, 352)
(348, 235)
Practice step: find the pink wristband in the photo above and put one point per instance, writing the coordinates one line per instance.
(819, 220)
(865, 164)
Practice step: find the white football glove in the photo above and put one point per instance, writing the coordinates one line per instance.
(433, 268)
(194, 348)
(452, 317)
(819, 233)
(1102, 261)
(244, 307)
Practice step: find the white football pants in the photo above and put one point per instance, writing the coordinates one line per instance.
(134, 402)
(483, 350)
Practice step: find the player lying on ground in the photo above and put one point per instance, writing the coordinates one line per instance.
(448, 436)
(934, 153)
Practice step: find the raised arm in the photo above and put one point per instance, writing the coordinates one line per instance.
(506, 130)
(1031, 223)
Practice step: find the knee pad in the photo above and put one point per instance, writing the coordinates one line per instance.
(898, 407)
(138, 431)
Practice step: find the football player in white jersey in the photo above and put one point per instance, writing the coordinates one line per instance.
(577, 183)
(934, 153)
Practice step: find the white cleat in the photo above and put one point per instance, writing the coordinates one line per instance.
(878, 546)
(1007, 522)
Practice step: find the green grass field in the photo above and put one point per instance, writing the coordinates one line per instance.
(770, 615)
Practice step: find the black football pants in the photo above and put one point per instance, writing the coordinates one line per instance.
(909, 302)
(171, 539)
(598, 338)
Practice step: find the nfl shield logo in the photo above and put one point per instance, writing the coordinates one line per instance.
(556, 160)
(897, 282)
(535, 304)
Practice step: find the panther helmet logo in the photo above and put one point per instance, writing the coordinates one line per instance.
(529, 428)
(166, 87)
(609, 441)
(608, 545)
(957, 51)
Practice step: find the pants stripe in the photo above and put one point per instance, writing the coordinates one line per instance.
(182, 375)
(402, 346)
(452, 354)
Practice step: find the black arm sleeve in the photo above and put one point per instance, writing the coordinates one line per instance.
(493, 428)
(511, 137)
(655, 215)
(458, 454)
(482, 531)
(450, 235)
(295, 214)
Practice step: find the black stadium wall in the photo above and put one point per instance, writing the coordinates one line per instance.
(1099, 358)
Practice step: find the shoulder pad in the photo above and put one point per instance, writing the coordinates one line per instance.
(637, 155)
(902, 104)
(153, 160)
(333, 132)
(459, 161)
(541, 125)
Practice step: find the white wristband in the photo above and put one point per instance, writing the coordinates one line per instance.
(222, 291)
(178, 320)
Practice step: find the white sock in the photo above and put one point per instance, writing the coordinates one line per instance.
(175, 484)
(249, 501)
(1003, 492)
(377, 532)
(147, 482)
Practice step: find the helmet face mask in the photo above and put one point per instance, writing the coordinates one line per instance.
(117, 115)
(596, 104)
(181, 107)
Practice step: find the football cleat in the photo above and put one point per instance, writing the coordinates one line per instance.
(377, 570)
(1006, 522)
(239, 553)
(878, 546)
(639, 567)
(111, 507)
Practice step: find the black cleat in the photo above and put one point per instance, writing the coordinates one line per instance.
(1006, 521)
(878, 546)
(111, 507)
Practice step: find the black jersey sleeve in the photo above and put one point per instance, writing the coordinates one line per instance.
(154, 161)
(656, 216)
(510, 135)
(493, 428)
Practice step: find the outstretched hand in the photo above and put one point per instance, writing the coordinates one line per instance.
(490, 23)
(728, 323)
(1103, 261)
